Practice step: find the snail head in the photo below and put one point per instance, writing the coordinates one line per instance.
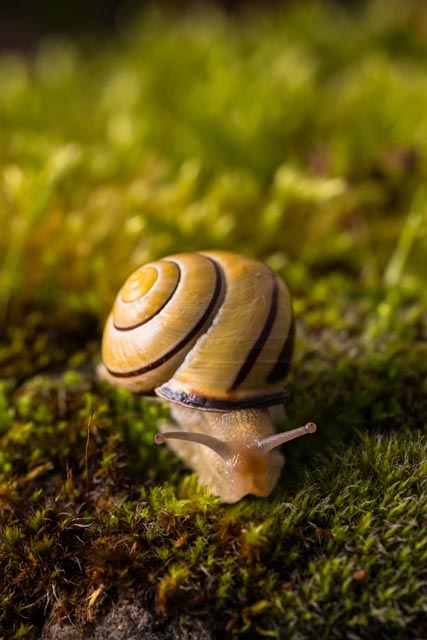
(239, 454)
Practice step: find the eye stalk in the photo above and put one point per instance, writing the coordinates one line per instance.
(271, 442)
(226, 449)
(223, 449)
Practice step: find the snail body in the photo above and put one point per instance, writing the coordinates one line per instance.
(212, 333)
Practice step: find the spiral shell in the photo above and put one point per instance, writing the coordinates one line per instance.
(208, 330)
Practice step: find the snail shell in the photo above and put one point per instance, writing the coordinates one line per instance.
(209, 332)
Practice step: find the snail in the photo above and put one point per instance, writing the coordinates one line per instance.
(212, 333)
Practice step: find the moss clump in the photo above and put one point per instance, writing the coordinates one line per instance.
(341, 545)
(317, 167)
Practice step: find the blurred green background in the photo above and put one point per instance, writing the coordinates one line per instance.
(294, 132)
(288, 133)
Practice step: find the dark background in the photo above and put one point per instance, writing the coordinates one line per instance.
(23, 23)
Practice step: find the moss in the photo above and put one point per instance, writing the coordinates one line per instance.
(315, 167)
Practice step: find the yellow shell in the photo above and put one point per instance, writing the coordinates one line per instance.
(211, 330)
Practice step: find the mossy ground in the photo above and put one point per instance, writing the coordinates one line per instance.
(298, 137)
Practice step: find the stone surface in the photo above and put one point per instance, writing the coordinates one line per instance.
(128, 620)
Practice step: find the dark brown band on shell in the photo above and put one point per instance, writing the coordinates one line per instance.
(218, 404)
(186, 339)
(283, 364)
(261, 340)
(139, 324)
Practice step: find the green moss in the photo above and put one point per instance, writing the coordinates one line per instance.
(296, 136)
